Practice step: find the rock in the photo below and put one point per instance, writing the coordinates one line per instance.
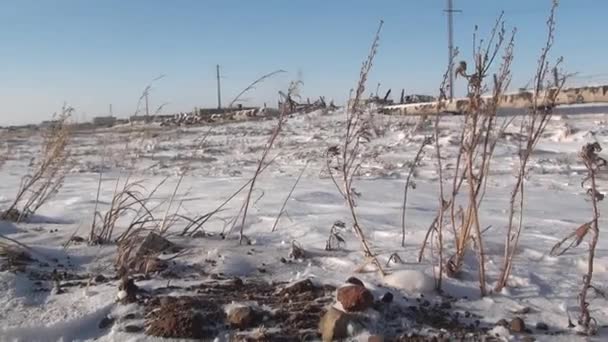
(523, 311)
(375, 338)
(355, 298)
(301, 286)
(199, 234)
(155, 244)
(145, 260)
(334, 325)
(518, 325)
(542, 326)
(355, 281)
(129, 316)
(106, 322)
(133, 329)
(242, 317)
(528, 339)
(77, 239)
(100, 279)
(10, 215)
(503, 323)
(387, 298)
(127, 291)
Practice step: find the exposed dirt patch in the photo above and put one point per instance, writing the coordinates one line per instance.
(292, 312)
(185, 317)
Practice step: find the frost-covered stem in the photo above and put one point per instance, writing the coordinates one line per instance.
(593, 163)
(331, 175)
(355, 132)
(441, 203)
(539, 118)
(163, 225)
(276, 221)
(253, 84)
(407, 186)
(258, 170)
(480, 250)
(585, 318)
(92, 233)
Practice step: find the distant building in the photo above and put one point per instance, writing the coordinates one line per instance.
(104, 121)
(47, 123)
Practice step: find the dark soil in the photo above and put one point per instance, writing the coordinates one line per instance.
(293, 314)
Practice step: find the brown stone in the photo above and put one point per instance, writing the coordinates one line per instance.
(305, 285)
(242, 317)
(375, 338)
(128, 285)
(355, 298)
(155, 244)
(518, 325)
(333, 325)
(355, 281)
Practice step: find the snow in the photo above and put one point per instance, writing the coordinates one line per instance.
(411, 281)
(555, 205)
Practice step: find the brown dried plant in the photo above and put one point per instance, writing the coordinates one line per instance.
(253, 84)
(284, 112)
(408, 184)
(478, 139)
(47, 170)
(593, 163)
(546, 89)
(293, 188)
(129, 198)
(346, 159)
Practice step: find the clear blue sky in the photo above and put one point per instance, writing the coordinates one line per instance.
(93, 53)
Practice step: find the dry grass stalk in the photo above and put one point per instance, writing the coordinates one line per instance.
(253, 84)
(129, 198)
(532, 127)
(347, 157)
(285, 111)
(477, 142)
(48, 169)
(593, 163)
(197, 223)
(426, 141)
(295, 184)
(144, 95)
(442, 204)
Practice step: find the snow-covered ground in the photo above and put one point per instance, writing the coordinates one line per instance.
(217, 160)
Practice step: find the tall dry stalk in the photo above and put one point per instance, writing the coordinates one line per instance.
(442, 203)
(285, 111)
(478, 138)
(593, 163)
(546, 89)
(293, 188)
(48, 169)
(426, 141)
(477, 145)
(347, 157)
(253, 84)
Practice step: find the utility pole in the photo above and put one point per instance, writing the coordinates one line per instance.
(450, 11)
(219, 92)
